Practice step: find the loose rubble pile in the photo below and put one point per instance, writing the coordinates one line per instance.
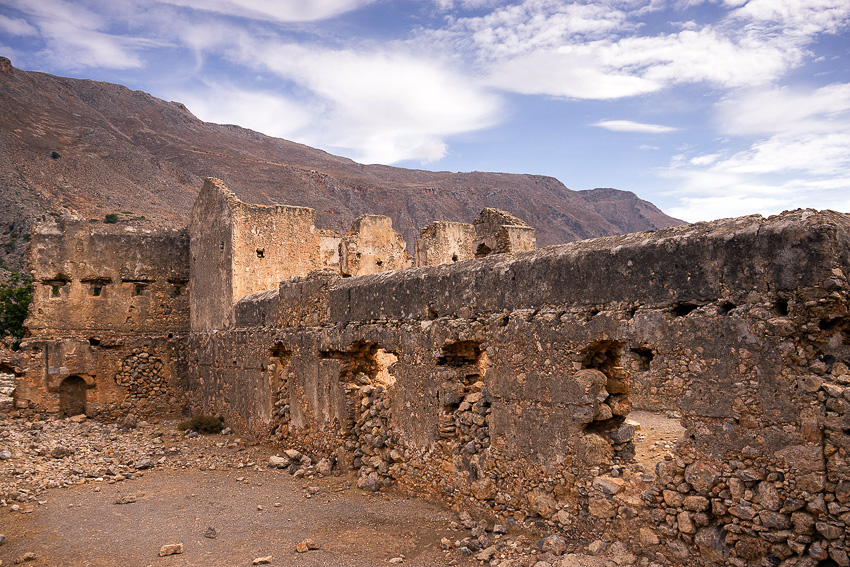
(371, 439)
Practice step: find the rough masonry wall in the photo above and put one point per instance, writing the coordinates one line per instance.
(211, 255)
(444, 242)
(109, 378)
(271, 244)
(504, 386)
(100, 280)
(109, 309)
(372, 246)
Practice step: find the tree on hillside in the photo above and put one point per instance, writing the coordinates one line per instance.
(15, 297)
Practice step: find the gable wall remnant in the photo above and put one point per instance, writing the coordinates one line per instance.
(444, 242)
(96, 279)
(371, 247)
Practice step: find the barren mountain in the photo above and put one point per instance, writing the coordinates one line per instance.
(93, 148)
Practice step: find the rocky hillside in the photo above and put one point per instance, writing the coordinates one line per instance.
(93, 149)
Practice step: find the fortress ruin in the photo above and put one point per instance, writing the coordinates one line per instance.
(493, 376)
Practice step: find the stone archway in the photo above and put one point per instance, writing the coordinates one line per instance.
(72, 396)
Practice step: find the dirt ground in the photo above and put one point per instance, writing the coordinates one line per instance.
(266, 514)
(255, 511)
(656, 436)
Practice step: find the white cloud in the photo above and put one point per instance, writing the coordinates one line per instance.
(75, 37)
(802, 157)
(280, 11)
(598, 50)
(266, 112)
(787, 110)
(629, 126)
(378, 105)
(16, 26)
(572, 73)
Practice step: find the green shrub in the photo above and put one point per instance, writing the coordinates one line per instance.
(15, 297)
(111, 218)
(203, 424)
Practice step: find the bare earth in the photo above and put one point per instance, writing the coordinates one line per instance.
(255, 511)
(82, 526)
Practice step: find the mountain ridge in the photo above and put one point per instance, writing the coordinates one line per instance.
(92, 148)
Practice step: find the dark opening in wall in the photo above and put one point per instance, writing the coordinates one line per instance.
(94, 341)
(454, 257)
(683, 309)
(138, 286)
(834, 323)
(56, 284)
(482, 250)
(602, 355)
(261, 252)
(72, 396)
(726, 307)
(461, 353)
(781, 307)
(96, 285)
(379, 263)
(644, 357)
(178, 286)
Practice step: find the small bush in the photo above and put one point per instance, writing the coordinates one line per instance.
(111, 218)
(203, 424)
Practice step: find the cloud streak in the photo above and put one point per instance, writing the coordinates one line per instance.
(636, 127)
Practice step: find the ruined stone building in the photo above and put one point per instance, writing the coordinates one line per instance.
(492, 376)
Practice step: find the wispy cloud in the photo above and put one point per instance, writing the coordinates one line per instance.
(280, 11)
(382, 105)
(16, 26)
(629, 126)
(806, 152)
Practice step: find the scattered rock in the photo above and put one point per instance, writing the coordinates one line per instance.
(28, 556)
(128, 499)
(306, 545)
(262, 560)
(554, 544)
(143, 464)
(608, 485)
(59, 452)
(210, 533)
(278, 462)
(487, 554)
(5, 455)
(324, 467)
(171, 549)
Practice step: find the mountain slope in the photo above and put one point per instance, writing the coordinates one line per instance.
(93, 148)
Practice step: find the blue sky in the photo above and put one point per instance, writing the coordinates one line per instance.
(709, 108)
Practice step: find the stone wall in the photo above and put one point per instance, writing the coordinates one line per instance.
(371, 247)
(504, 385)
(107, 378)
(100, 280)
(110, 307)
(492, 232)
(444, 242)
